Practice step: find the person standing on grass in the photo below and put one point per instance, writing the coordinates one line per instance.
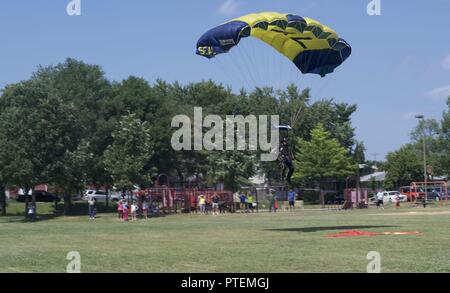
(250, 202)
(95, 208)
(145, 209)
(270, 200)
(91, 204)
(215, 204)
(291, 198)
(134, 209)
(32, 212)
(276, 205)
(243, 202)
(125, 211)
(120, 210)
(397, 201)
(380, 200)
(202, 204)
(273, 201)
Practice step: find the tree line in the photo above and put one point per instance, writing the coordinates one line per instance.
(69, 126)
(407, 164)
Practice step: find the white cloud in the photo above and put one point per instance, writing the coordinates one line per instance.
(406, 64)
(229, 7)
(441, 93)
(446, 62)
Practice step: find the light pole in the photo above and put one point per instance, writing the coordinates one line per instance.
(422, 117)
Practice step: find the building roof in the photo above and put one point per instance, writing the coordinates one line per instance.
(377, 177)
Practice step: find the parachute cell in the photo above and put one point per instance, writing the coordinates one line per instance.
(311, 46)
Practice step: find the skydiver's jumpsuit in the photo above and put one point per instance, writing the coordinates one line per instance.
(286, 160)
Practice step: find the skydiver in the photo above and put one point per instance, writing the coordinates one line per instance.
(286, 159)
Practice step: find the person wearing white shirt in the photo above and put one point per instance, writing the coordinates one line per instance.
(134, 209)
(380, 201)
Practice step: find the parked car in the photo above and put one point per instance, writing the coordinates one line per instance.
(99, 195)
(412, 193)
(117, 196)
(41, 196)
(391, 196)
(436, 194)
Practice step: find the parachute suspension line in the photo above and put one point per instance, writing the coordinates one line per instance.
(240, 70)
(301, 86)
(273, 69)
(325, 86)
(236, 77)
(265, 69)
(225, 72)
(246, 65)
(280, 66)
(256, 63)
(249, 58)
(297, 115)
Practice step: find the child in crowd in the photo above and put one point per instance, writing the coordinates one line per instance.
(120, 210)
(134, 209)
(125, 211)
(145, 210)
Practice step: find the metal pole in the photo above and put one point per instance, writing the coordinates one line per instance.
(425, 175)
(425, 165)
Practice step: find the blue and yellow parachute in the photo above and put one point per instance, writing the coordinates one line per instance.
(310, 45)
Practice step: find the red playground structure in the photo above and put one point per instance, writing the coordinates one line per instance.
(184, 200)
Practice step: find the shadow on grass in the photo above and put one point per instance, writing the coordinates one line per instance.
(81, 208)
(330, 228)
(77, 209)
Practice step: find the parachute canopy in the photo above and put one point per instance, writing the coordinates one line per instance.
(310, 45)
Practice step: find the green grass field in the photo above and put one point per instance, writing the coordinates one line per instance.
(282, 242)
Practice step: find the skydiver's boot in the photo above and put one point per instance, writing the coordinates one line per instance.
(289, 176)
(283, 174)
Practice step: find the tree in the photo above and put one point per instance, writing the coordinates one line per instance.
(321, 158)
(62, 127)
(42, 127)
(404, 166)
(129, 153)
(444, 142)
(232, 168)
(359, 154)
(5, 158)
(335, 118)
(73, 172)
(52, 114)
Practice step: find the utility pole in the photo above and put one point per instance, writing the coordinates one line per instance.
(375, 155)
(425, 173)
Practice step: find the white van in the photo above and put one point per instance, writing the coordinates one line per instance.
(99, 195)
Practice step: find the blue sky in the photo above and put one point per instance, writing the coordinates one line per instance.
(400, 64)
